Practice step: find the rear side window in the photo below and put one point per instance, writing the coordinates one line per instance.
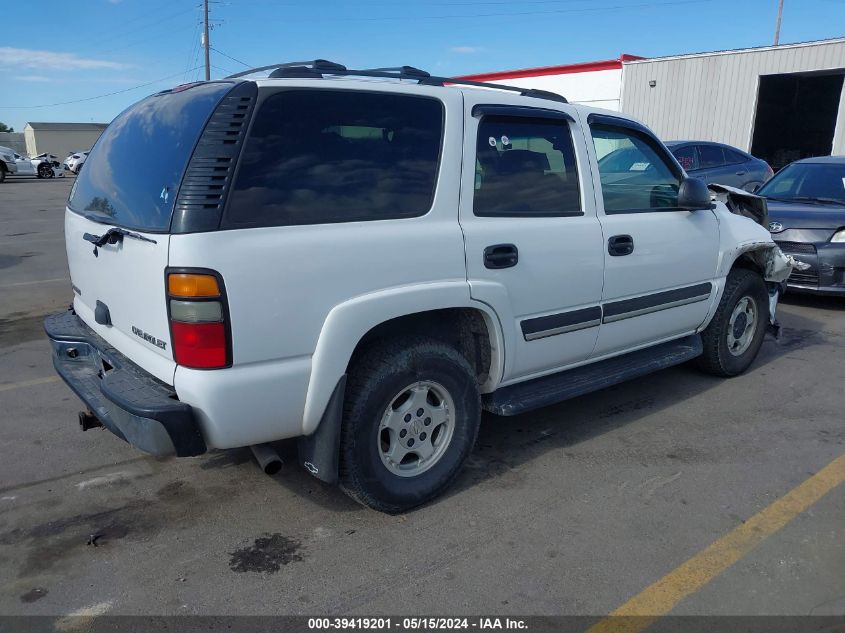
(525, 167)
(635, 173)
(133, 172)
(733, 157)
(686, 157)
(325, 156)
(710, 156)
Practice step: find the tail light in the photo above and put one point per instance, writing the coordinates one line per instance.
(199, 326)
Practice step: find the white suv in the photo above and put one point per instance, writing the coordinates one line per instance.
(367, 260)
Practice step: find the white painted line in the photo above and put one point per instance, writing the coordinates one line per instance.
(83, 618)
(104, 480)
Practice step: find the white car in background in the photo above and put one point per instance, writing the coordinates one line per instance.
(7, 162)
(75, 160)
(42, 166)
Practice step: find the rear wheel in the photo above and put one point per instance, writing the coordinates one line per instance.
(411, 416)
(2, 174)
(734, 336)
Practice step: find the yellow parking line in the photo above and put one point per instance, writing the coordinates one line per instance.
(661, 597)
(37, 281)
(28, 383)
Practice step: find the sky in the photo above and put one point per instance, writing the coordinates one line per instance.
(54, 52)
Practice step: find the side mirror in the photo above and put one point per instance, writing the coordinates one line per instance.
(693, 195)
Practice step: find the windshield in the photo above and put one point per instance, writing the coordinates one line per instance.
(133, 171)
(808, 182)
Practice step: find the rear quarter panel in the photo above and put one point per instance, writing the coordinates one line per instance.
(282, 284)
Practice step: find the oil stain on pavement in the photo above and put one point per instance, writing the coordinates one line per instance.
(267, 554)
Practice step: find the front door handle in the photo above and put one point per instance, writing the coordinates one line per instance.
(620, 245)
(740, 173)
(501, 256)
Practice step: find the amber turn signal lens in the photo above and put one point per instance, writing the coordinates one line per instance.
(192, 285)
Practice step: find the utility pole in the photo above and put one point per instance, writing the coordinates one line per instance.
(777, 24)
(206, 44)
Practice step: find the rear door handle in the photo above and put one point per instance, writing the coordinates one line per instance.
(620, 245)
(740, 173)
(501, 256)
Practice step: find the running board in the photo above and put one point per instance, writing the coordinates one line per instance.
(542, 392)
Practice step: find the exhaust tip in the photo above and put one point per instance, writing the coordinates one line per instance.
(267, 458)
(272, 467)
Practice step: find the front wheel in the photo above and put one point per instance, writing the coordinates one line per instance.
(734, 336)
(45, 171)
(411, 416)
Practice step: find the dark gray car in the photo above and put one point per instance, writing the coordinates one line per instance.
(720, 163)
(806, 203)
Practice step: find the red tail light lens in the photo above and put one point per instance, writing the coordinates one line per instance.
(199, 345)
(198, 314)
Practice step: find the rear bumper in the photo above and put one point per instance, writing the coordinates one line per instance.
(128, 401)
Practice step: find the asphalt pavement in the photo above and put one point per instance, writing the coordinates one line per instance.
(573, 509)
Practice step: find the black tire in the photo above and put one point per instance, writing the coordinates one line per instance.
(2, 174)
(717, 358)
(374, 380)
(44, 171)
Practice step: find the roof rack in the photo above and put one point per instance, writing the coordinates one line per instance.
(318, 68)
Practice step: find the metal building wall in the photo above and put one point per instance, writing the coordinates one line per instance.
(713, 96)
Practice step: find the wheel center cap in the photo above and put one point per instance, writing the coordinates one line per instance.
(739, 324)
(416, 427)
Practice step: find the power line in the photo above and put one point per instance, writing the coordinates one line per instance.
(224, 70)
(217, 50)
(108, 94)
(120, 34)
(191, 48)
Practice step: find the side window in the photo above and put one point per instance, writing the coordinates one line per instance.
(525, 167)
(710, 156)
(635, 175)
(732, 157)
(326, 156)
(686, 157)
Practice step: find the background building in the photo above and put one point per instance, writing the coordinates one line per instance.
(598, 84)
(13, 140)
(61, 138)
(780, 103)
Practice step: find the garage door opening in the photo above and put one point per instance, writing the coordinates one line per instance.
(796, 117)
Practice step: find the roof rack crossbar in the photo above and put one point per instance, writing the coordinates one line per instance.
(320, 67)
(314, 64)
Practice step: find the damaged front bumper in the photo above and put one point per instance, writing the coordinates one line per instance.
(777, 266)
(763, 254)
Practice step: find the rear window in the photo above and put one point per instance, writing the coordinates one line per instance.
(133, 172)
(710, 156)
(325, 156)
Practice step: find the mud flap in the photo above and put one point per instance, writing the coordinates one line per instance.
(319, 453)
